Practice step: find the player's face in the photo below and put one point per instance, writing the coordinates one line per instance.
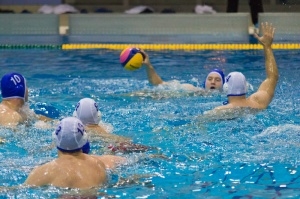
(213, 81)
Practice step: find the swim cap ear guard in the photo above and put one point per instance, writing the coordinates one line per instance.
(75, 114)
(99, 116)
(225, 87)
(86, 148)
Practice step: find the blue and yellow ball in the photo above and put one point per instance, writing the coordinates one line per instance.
(131, 58)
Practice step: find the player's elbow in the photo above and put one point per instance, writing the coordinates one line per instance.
(276, 77)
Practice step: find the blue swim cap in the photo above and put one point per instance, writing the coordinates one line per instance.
(13, 85)
(220, 72)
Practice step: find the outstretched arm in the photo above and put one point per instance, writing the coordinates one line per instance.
(153, 77)
(266, 90)
(44, 118)
(111, 161)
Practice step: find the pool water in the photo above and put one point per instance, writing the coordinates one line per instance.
(255, 156)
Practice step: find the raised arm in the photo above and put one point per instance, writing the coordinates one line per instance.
(153, 77)
(266, 90)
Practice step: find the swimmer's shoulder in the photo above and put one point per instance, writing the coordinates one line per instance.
(224, 112)
(9, 118)
(228, 112)
(39, 173)
(4, 109)
(2, 106)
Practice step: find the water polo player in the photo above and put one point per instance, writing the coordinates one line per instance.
(73, 168)
(14, 93)
(88, 112)
(236, 85)
(213, 81)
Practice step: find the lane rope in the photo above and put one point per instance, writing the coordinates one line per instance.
(187, 47)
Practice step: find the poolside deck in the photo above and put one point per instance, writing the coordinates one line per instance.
(179, 6)
(143, 28)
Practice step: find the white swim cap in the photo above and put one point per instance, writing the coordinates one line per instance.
(70, 135)
(235, 84)
(87, 111)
